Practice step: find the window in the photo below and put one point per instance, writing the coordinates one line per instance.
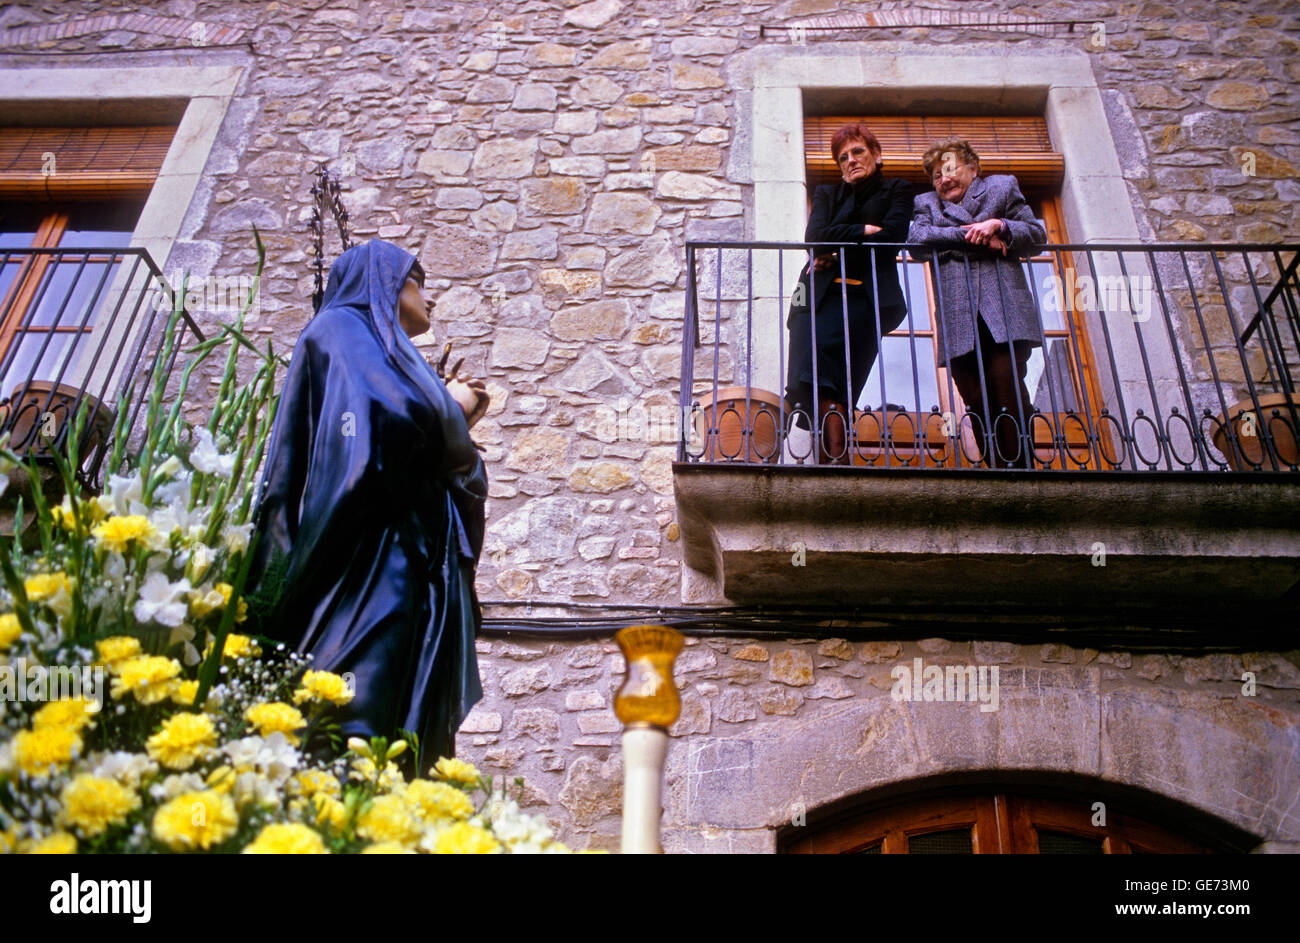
(908, 401)
(68, 198)
(990, 824)
(50, 300)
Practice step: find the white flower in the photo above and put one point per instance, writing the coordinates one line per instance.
(170, 466)
(235, 536)
(274, 756)
(126, 768)
(125, 495)
(522, 834)
(185, 633)
(175, 784)
(207, 459)
(175, 513)
(256, 788)
(6, 466)
(201, 557)
(165, 602)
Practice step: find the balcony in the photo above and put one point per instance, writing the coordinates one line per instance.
(80, 326)
(1152, 470)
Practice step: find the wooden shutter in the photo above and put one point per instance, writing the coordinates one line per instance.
(1019, 146)
(87, 164)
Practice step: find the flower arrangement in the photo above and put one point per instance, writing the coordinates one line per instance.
(205, 739)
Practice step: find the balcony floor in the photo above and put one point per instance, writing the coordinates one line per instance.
(1199, 544)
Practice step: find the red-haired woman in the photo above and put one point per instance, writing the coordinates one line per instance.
(864, 208)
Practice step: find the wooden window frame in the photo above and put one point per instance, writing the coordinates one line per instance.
(1017, 145)
(1001, 822)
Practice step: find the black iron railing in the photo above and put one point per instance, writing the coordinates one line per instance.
(79, 326)
(1142, 358)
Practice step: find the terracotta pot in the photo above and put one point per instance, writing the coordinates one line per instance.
(760, 425)
(23, 416)
(1249, 449)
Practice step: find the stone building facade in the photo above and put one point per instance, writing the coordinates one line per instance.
(548, 161)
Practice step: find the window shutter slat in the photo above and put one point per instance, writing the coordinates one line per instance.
(89, 163)
(1006, 145)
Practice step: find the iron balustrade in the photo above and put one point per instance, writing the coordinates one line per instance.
(76, 326)
(1170, 357)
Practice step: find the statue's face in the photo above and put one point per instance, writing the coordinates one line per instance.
(412, 310)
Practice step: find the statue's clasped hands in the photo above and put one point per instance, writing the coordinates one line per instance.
(472, 395)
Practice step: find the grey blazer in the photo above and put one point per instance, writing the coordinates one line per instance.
(997, 286)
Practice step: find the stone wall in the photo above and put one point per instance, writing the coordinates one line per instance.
(771, 727)
(548, 160)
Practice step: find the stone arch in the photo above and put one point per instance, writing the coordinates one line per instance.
(1230, 757)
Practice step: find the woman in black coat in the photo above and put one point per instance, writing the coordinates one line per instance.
(865, 208)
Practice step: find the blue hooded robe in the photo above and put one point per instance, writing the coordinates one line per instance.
(371, 513)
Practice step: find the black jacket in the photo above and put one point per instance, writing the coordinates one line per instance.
(834, 218)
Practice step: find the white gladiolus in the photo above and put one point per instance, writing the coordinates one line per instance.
(163, 601)
(169, 467)
(235, 536)
(125, 495)
(201, 557)
(207, 459)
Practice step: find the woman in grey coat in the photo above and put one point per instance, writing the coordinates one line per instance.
(987, 320)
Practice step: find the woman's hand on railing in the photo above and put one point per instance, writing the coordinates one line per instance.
(870, 230)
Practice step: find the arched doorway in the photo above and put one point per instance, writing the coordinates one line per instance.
(1013, 817)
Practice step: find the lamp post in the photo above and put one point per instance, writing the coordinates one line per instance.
(647, 704)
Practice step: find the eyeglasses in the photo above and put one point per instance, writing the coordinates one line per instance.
(857, 153)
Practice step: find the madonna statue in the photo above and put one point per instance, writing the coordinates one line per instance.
(370, 517)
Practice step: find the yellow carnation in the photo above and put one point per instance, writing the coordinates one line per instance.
(438, 800)
(10, 629)
(323, 810)
(113, 651)
(60, 843)
(70, 712)
(323, 686)
(195, 820)
(241, 611)
(275, 717)
(286, 838)
(185, 692)
(203, 601)
(457, 771)
(35, 751)
(388, 818)
(118, 531)
(311, 782)
(237, 646)
(43, 586)
(148, 677)
(182, 739)
(387, 848)
(465, 839)
(92, 804)
(222, 779)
